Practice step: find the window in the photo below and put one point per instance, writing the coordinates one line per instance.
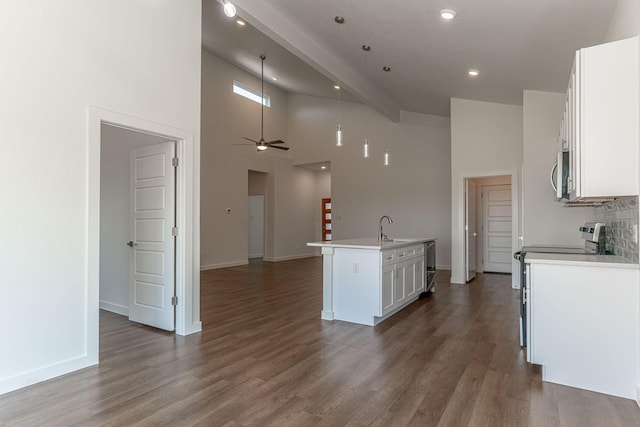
(251, 94)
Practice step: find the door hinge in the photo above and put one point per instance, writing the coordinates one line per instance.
(174, 231)
(174, 300)
(524, 295)
(174, 162)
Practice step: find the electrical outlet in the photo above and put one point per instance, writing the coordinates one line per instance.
(356, 267)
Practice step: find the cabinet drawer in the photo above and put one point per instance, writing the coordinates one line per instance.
(420, 250)
(388, 257)
(401, 254)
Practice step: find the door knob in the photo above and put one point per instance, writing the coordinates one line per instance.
(131, 244)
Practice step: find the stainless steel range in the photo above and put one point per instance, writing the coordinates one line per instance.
(593, 234)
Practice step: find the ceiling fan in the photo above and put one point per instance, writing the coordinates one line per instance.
(262, 145)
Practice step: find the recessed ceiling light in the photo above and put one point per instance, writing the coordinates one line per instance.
(323, 167)
(473, 72)
(447, 14)
(366, 47)
(241, 22)
(274, 78)
(339, 19)
(336, 87)
(387, 69)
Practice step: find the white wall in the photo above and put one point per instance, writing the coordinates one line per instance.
(545, 221)
(486, 139)
(295, 211)
(127, 56)
(114, 214)
(413, 190)
(323, 191)
(289, 191)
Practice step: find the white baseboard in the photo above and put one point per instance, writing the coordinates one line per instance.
(290, 257)
(223, 265)
(114, 308)
(443, 267)
(45, 373)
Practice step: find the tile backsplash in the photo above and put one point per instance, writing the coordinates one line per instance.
(621, 218)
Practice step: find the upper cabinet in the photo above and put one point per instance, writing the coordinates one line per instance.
(599, 125)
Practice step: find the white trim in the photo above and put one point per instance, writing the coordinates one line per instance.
(123, 310)
(187, 220)
(223, 265)
(289, 257)
(25, 379)
(443, 267)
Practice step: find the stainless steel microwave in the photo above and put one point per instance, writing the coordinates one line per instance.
(560, 176)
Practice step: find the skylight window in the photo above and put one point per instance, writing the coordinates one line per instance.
(250, 93)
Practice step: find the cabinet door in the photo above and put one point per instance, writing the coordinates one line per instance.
(386, 289)
(419, 274)
(410, 279)
(398, 285)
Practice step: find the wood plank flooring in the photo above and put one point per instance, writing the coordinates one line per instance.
(265, 358)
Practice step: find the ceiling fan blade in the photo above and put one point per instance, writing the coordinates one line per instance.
(277, 141)
(252, 140)
(278, 147)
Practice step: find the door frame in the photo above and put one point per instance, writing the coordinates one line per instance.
(187, 220)
(457, 222)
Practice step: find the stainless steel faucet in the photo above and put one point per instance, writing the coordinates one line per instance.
(381, 236)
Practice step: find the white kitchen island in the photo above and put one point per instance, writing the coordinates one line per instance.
(365, 280)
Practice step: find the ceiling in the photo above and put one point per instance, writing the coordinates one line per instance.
(515, 45)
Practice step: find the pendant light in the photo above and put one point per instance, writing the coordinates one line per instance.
(229, 9)
(339, 20)
(365, 149)
(339, 128)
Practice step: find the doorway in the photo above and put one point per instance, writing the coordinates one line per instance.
(256, 227)
(256, 230)
(187, 279)
(489, 224)
(115, 263)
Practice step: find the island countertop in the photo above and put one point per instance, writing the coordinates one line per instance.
(372, 243)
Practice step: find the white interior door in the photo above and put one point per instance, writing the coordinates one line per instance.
(256, 226)
(152, 233)
(497, 228)
(470, 229)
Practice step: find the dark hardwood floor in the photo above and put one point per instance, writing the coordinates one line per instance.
(265, 358)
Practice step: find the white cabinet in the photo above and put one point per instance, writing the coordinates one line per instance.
(387, 281)
(401, 278)
(583, 326)
(600, 126)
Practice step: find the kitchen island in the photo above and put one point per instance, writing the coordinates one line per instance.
(366, 281)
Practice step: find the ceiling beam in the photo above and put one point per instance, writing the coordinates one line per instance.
(275, 26)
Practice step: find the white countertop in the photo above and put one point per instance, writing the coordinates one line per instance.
(372, 243)
(613, 261)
